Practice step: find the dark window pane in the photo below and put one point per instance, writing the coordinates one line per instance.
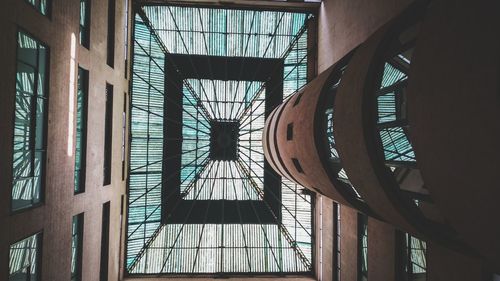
(85, 23)
(104, 242)
(108, 134)
(111, 33)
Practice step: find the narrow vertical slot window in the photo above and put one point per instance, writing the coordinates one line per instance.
(297, 165)
(125, 38)
(77, 247)
(30, 122)
(124, 130)
(85, 23)
(43, 6)
(108, 134)
(25, 259)
(81, 129)
(289, 131)
(110, 60)
(336, 243)
(362, 247)
(103, 273)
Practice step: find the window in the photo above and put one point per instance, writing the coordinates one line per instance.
(25, 259)
(412, 262)
(124, 132)
(125, 37)
(110, 59)
(297, 99)
(289, 131)
(362, 247)
(85, 23)
(77, 247)
(416, 263)
(104, 242)
(43, 6)
(336, 242)
(108, 134)
(297, 165)
(81, 129)
(30, 124)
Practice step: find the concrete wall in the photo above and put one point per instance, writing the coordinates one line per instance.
(348, 244)
(54, 216)
(381, 251)
(343, 25)
(325, 233)
(444, 264)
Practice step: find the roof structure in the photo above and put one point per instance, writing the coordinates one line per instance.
(202, 198)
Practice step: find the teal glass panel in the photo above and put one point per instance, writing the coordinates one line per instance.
(29, 146)
(391, 111)
(81, 130)
(40, 5)
(152, 248)
(85, 23)
(24, 259)
(77, 247)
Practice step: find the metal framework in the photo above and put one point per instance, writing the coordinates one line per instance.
(232, 220)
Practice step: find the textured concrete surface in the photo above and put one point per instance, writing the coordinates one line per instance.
(343, 25)
(381, 251)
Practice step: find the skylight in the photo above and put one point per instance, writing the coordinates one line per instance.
(202, 198)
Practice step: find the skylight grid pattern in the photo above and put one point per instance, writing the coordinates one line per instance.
(195, 141)
(146, 148)
(224, 32)
(283, 244)
(295, 69)
(225, 100)
(297, 216)
(250, 140)
(219, 248)
(222, 180)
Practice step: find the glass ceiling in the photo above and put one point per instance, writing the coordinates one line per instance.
(249, 233)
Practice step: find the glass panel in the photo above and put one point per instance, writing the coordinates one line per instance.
(284, 246)
(40, 5)
(24, 259)
(77, 247)
(85, 23)
(29, 122)
(81, 130)
(362, 247)
(416, 267)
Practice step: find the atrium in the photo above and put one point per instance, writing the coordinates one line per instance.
(328, 140)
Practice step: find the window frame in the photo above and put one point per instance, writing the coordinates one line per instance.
(38, 253)
(45, 110)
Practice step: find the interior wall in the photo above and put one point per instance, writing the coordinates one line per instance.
(54, 216)
(444, 264)
(325, 232)
(343, 25)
